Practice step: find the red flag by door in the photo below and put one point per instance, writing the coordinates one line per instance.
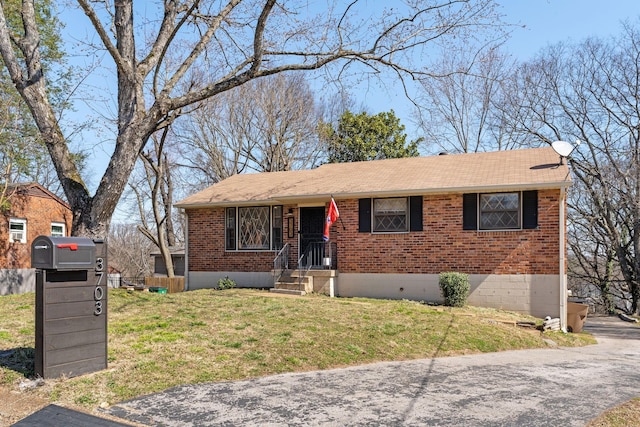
(332, 216)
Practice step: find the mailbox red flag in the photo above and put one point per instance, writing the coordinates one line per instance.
(332, 216)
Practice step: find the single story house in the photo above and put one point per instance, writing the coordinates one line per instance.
(497, 216)
(31, 210)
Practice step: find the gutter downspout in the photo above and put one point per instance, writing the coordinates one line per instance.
(562, 274)
(186, 251)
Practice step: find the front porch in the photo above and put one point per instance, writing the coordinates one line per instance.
(316, 270)
(301, 282)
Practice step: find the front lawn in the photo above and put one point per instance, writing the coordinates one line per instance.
(158, 341)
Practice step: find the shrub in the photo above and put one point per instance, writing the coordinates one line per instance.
(455, 288)
(226, 283)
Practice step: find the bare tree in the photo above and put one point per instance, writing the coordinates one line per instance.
(591, 258)
(460, 112)
(129, 251)
(156, 189)
(589, 92)
(266, 125)
(237, 41)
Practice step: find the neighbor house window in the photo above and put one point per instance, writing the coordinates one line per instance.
(18, 230)
(58, 229)
(253, 228)
(500, 211)
(390, 215)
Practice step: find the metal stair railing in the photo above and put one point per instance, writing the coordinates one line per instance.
(304, 265)
(280, 263)
(315, 256)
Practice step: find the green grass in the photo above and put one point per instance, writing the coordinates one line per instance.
(158, 341)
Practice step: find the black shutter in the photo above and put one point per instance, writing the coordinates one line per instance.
(415, 213)
(530, 209)
(470, 211)
(364, 215)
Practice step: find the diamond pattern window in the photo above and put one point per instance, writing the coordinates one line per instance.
(500, 211)
(254, 231)
(390, 215)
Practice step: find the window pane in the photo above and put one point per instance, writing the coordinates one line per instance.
(17, 226)
(386, 206)
(499, 202)
(17, 230)
(254, 230)
(57, 229)
(499, 211)
(499, 220)
(277, 228)
(390, 215)
(230, 227)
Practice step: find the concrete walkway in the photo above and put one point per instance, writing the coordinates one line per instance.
(550, 387)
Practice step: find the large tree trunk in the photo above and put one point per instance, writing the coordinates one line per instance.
(199, 49)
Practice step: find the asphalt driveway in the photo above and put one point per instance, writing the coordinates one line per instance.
(550, 387)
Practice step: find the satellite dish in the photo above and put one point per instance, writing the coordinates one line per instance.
(564, 148)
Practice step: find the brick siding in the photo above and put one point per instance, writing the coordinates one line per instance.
(39, 212)
(443, 245)
(207, 245)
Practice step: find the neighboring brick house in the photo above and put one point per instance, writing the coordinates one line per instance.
(32, 210)
(500, 217)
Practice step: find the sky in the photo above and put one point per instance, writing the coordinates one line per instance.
(537, 23)
(550, 21)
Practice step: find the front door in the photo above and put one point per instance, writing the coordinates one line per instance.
(311, 228)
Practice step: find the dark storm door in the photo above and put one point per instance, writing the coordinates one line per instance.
(311, 228)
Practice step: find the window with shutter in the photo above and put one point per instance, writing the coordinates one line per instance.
(500, 211)
(390, 214)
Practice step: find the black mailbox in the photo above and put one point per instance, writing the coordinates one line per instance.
(63, 253)
(71, 305)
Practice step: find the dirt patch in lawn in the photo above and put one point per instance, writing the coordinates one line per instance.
(15, 405)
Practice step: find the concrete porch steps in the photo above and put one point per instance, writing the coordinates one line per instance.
(290, 283)
(287, 291)
(313, 281)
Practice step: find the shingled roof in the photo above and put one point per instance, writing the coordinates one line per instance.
(536, 168)
(33, 189)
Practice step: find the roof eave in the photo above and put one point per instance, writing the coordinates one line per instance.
(226, 203)
(388, 193)
(443, 190)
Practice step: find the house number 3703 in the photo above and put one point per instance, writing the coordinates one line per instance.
(98, 292)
